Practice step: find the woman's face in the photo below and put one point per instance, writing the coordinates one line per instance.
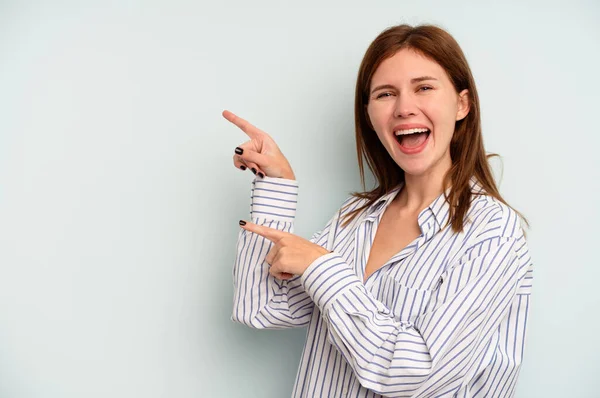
(413, 108)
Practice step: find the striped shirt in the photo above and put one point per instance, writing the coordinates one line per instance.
(446, 316)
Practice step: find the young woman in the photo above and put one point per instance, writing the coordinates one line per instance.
(418, 288)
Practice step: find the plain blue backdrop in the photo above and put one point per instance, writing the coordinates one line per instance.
(119, 201)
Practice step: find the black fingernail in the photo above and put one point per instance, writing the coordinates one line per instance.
(242, 222)
(239, 150)
(261, 175)
(243, 167)
(254, 170)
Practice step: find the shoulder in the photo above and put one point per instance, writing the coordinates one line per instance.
(352, 211)
(352, 203)
(492, 232)
(499, 228)
(494, 217)
(491, 214)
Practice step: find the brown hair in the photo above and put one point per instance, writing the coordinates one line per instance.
(469, 158)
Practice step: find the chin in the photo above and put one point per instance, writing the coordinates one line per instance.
(416, 172)
(428, 164)
(415, 168)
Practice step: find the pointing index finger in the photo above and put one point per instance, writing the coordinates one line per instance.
(244, 125)
(274, 235)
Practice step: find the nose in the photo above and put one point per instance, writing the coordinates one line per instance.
(405, 106)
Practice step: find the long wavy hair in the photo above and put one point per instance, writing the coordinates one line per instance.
(469, 158)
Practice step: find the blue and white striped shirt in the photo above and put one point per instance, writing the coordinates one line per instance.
(446, 316)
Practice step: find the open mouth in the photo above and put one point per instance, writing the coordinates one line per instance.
(412, 138)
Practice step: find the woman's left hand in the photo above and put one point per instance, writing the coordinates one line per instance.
(290, 255)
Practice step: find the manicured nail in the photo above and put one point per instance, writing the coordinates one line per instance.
(243, 167)
(242, 222)
(254, 170)
(261, 175)
(239, 150)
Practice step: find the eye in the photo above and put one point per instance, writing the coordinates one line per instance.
(425, 88)
(382, 95)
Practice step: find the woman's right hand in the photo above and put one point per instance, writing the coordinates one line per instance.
(260, 154)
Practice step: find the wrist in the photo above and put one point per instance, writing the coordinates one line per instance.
(288, 175)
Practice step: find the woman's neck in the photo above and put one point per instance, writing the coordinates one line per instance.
(419, 191)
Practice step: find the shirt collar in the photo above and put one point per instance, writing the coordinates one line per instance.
(432, 219)
(382, 203)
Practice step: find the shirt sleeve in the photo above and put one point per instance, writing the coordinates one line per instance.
(260, 300)
(443, 345)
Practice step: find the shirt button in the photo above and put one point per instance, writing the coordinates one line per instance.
(344, 392)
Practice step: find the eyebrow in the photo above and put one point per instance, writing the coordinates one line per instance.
(412, 81)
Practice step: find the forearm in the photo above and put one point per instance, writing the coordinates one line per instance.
(260, 300)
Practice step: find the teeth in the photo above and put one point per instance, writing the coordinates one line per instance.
(410, 131)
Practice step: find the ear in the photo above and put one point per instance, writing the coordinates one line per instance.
(464, 105)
